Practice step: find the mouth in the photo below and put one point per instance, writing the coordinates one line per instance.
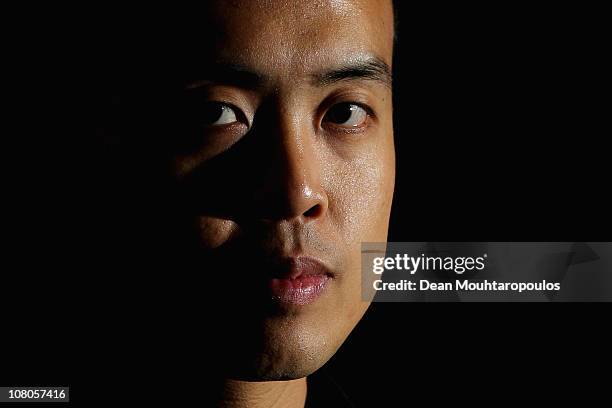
(299, 281)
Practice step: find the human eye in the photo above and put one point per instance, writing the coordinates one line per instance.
(209, 125)
(346, 116)
(219, 114)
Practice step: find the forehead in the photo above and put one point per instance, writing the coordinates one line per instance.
(293, 37)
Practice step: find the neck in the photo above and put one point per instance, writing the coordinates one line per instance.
(269, 394)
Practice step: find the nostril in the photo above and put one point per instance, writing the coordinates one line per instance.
(314, 211)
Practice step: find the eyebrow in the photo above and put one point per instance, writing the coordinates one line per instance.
(370, 68)
(231, 74)
(365, 68)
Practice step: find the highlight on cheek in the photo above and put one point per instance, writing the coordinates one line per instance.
(214, 232)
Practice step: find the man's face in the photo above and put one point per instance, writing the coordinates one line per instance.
(288, 164)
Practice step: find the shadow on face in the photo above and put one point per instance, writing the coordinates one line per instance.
(279, 162)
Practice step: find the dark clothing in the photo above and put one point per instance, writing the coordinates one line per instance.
(324, 392)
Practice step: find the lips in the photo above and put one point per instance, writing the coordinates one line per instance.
(299, 281)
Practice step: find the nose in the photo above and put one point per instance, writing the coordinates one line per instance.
(292, 187)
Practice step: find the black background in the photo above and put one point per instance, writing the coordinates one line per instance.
(499, 124)
(500, 135)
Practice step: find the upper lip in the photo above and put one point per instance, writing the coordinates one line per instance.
(294, 267)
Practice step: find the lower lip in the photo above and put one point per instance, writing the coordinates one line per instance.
(299, 291)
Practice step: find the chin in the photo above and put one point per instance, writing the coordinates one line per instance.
(266, 371)
(287, 353)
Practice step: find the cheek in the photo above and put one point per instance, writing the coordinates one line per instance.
(360, 193)
(214, 232)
